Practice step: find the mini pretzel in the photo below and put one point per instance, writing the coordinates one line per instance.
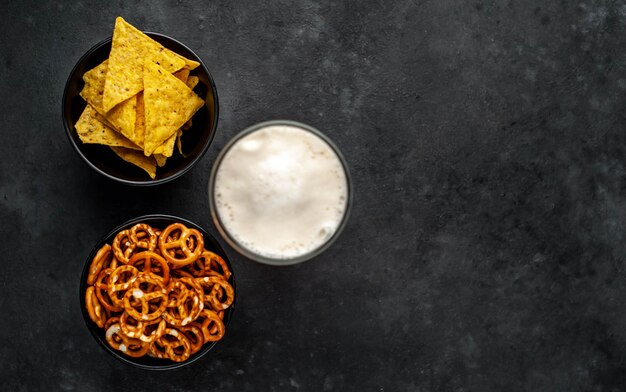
(210, 263)
(211, 319)
(152, 264)
(169, 245)
(213, 328)
(123, 246)
(138, 234)
(120, 281)
(154, 291)
(97, 264)
(96, 313)
(156, 350)
(176, 345)
(117, 340)
(101, 286)
(193, 333)
(146, 331)
(186, 303)
(220, 293)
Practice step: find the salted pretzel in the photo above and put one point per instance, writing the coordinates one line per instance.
(94, 309)
(102, 260)
(209, 264)
(176, 345)
(158, 292)
(209, 320)
(143, 236)
(122, 246)
(183, 249)
(101, 286)
(146, 331)
(149, 262)
(120, 281)
(218, 293)
(145, 291)
(157, 350)
(185, 302)
(193, 333)
(119, 341)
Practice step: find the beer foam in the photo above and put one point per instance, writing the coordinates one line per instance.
(281, 192)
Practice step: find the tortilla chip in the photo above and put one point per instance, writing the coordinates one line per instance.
(129, 49)
(92, 130)
(183, 74)
(148, 164)
(122, 116)
(160, 159)
(191, 64)
(167, 148)
(192, 81)
(140, 123)
(168, 104)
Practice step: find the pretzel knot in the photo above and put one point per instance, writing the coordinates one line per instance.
(210, 264)
(149, 262)
(122, 246)
(120, 281)
(185, 302)
(211, 325)
(146, 299)
(146, 331)
(95, 311)
(193, 333)
(143, 236)
(101, 286)
(218, 293)
(103, 259)
(176, 345)
(180, 245)
(119, 341)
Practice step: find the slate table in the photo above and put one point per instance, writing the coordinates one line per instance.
(485, 249)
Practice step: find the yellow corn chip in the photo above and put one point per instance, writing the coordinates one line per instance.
(167, 149)
(168, 104)
(122, 116)
(129, 49)
(191, 64)
(92, 130)
(140, 123)
(148, 164)
(182, 74)
(192, 81)
(160, 159)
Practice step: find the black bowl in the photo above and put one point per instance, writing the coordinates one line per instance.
(146, 362)
(195, 140)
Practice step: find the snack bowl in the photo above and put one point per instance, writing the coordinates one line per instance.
(195, 140)
(158, 221)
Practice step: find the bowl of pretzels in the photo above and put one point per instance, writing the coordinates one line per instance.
(157, 292)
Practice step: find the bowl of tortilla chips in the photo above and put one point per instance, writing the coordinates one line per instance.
(140, 108)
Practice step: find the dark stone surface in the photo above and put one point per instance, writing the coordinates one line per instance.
(485, 251)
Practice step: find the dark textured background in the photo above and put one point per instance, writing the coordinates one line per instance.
(485, 250)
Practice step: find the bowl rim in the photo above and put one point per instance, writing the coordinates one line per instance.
(260, 258)
(83, 286)
(149, 182)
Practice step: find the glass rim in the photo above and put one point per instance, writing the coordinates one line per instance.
(247, 252)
